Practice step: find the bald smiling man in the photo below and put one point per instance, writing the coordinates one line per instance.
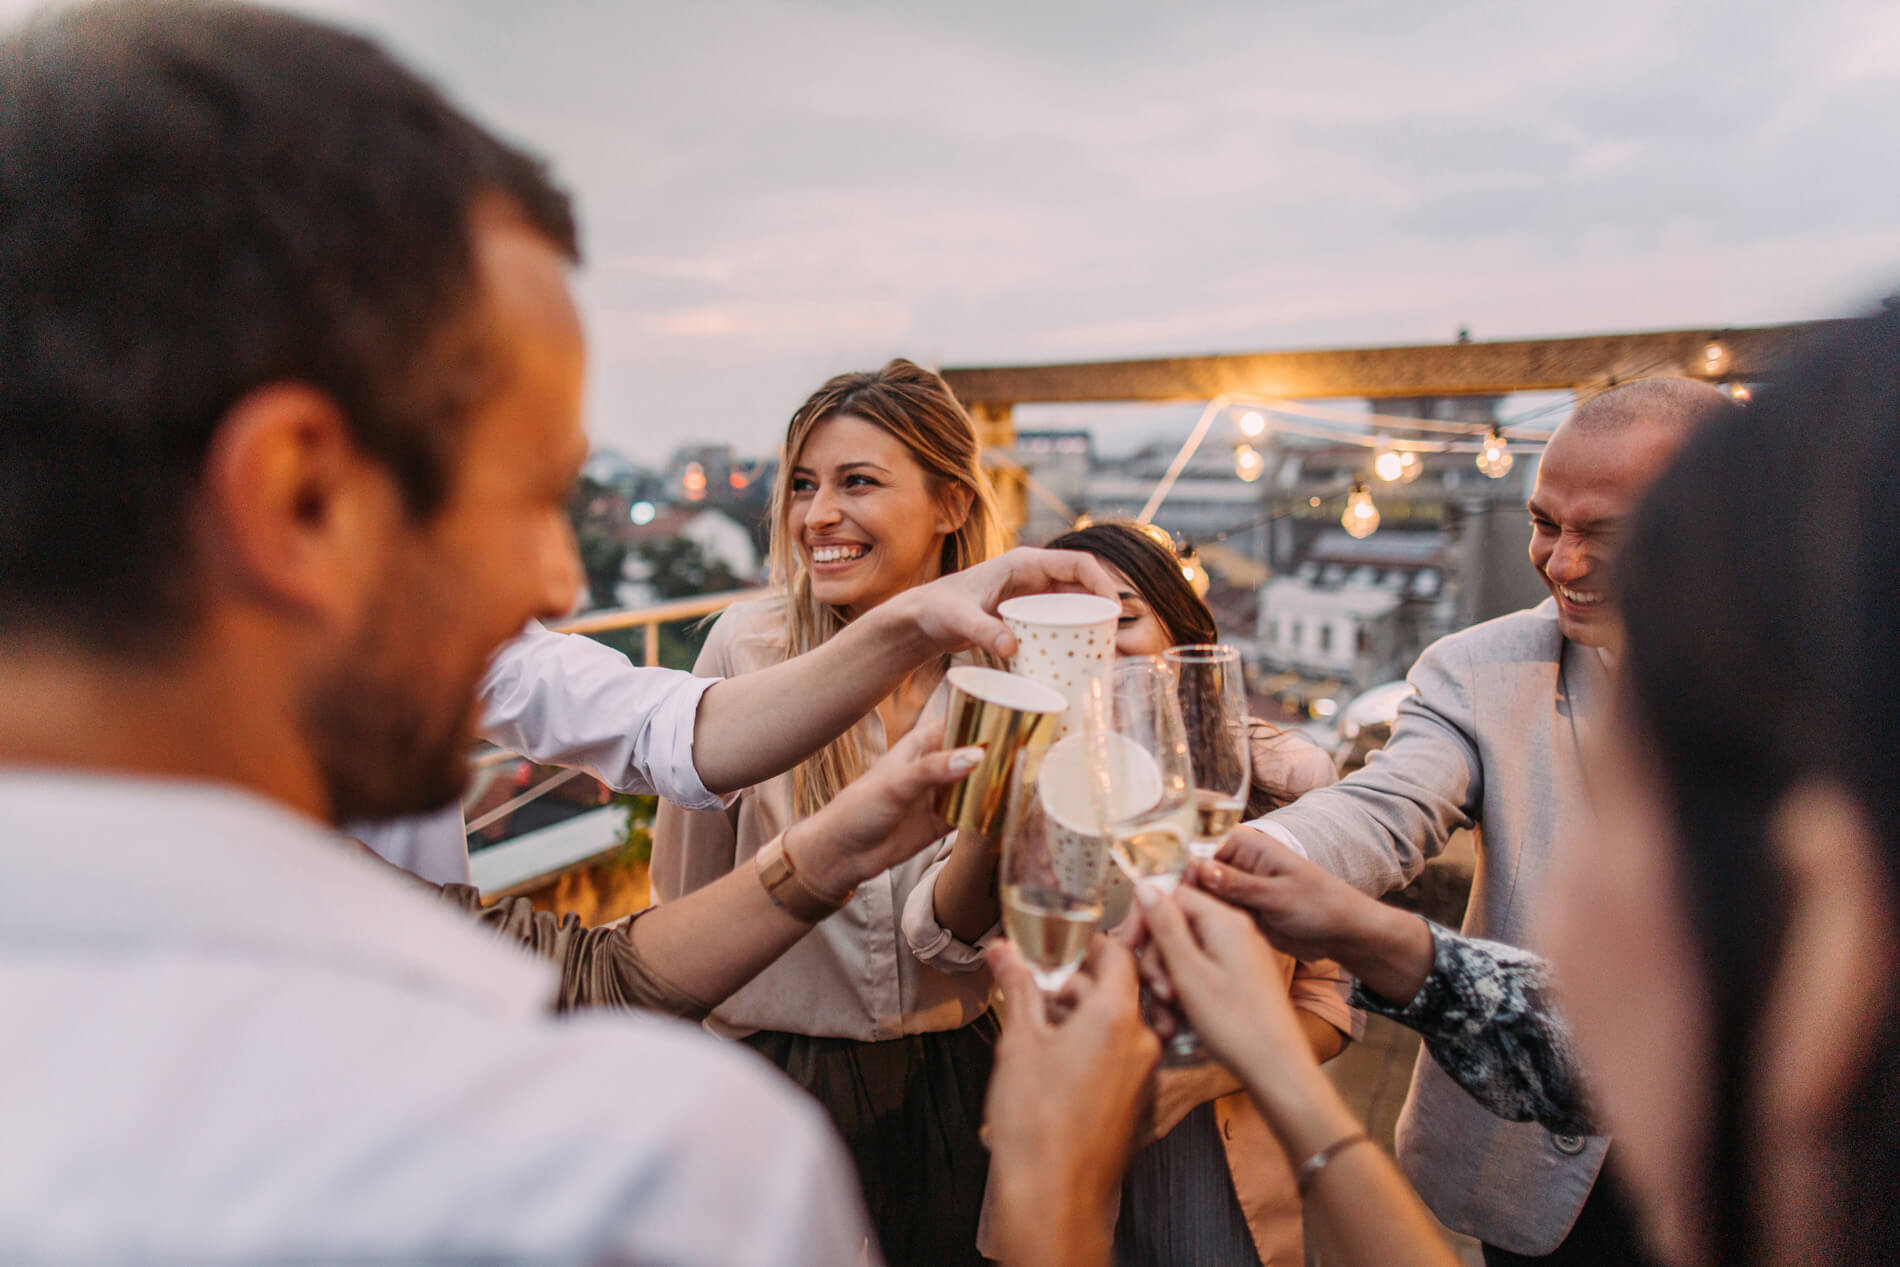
(1488, 742)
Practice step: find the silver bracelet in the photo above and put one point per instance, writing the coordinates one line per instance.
(1310, 1168)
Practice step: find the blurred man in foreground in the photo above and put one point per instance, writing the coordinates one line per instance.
(289, 409)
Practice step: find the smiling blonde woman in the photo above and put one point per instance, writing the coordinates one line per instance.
(880, 491)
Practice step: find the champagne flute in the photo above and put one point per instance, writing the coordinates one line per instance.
(1153, 811)
(1054, 859)
(1214, 715)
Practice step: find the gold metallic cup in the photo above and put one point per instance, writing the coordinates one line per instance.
(1005, 714)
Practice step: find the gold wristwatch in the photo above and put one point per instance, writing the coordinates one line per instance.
(788, 890)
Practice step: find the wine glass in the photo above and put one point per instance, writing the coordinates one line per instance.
(1214, 715)
(1054, 858)
(1144, 750)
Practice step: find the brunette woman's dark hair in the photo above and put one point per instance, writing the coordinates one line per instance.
(1155, 571)
(1761, 596)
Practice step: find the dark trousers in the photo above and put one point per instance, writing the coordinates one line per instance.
(1605, 1235)
(910, 1111)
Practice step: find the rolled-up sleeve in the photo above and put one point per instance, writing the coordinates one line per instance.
(927, 938)
(564, 699)
(1324, 989)
(600, 967)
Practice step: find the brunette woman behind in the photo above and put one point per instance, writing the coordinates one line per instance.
(1211, 1185)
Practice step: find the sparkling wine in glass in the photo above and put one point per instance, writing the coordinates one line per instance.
(1054, 859)
(1213, 698)
(1154, 816)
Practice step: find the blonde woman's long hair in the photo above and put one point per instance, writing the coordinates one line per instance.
(918, 408)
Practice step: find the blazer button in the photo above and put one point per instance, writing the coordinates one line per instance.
(1568, 1145)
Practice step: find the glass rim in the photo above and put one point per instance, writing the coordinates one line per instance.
(1202, 653)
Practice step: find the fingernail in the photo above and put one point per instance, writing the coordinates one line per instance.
(964, 760)
(1213, 875)
(1146, 894)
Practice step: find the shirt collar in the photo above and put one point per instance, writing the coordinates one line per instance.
(101, 860)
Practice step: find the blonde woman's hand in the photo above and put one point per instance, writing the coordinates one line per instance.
(851, 840)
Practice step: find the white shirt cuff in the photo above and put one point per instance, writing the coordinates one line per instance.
(1282, 835)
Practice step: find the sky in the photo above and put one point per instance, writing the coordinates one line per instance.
(774, 192)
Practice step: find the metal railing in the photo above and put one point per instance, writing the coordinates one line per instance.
(540, 854)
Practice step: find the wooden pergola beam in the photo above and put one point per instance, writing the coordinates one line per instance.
(1443, 369)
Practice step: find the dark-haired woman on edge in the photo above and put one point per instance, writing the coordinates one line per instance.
(1727, 939)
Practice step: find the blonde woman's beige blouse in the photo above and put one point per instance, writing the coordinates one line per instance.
(854, 975)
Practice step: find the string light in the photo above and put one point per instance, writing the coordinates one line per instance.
(1495, 460)
(1714, 359)
(1362, 517)
(1193, 572)
(1252, 425)
(1740, 393)
(1388, 466)
(1248, 464)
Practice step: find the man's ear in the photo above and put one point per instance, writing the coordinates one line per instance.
(953, 507)
(1835, 981)
(294, 514)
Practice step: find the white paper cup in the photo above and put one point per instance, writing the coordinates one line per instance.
(1062, 641)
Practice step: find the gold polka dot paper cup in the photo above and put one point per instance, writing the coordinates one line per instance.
(1005, 714)
(1063, 641)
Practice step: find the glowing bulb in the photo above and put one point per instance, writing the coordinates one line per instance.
(1495, 460)
(641, 513)
(1248, 464)
(1740, 392)
(1388, 466)
(1361, 516)
(1252, 425)
(1410, 468)
(1713, 357)
(1313, 502)
(1193, 572)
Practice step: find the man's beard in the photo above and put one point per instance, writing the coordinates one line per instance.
(384, 747)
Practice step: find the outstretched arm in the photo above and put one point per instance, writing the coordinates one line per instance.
(760, 724)
(1484, 1009)
(1229, 982)
(688, 954)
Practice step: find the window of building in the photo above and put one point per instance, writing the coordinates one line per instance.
(1298, 629)
(1273, 632)
(1325, 637)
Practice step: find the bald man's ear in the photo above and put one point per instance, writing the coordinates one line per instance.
(294, 515)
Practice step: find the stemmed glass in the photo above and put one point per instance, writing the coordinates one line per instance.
(1142, 753)
(1213, 697)
(1054, 862)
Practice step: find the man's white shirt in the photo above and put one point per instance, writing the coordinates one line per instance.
(566, 700)
(230, 1037)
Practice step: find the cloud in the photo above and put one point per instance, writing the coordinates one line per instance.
(775, 191)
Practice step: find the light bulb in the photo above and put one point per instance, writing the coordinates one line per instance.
(1495, 460)
(1714, 358)
(1248, 464)
(1740, 392)
(1388, 466)
(1192, 571)
(1252, 425)
(1361, 516)
(1410, 468)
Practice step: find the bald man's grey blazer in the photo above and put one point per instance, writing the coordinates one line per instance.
(1489, 741)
